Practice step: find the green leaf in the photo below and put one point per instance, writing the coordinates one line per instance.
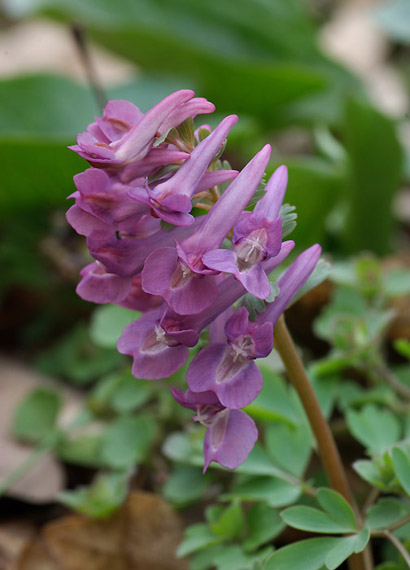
(197, 537)
(386, 512)
(345, 547)
(290, 447)
(265, 70)
(375, 174)
(314, 187)
(127, 441)
(36, 416)
(264, 523)
(185, 485)
(374, 427)
(120, 393)
(231, 522)
(274, 401)
(402, 345)
(77, 359)
(81, 450)
(401, 462)
(274, 492)
(303, 555)
(101, 499)
(337, 507)
(108, 322)
(313, 520)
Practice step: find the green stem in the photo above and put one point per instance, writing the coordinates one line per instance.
(18, 473)
(327, 449)
(399, 546)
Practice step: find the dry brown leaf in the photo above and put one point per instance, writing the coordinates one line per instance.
(13, 537)
(143, 535)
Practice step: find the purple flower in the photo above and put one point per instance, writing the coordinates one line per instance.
(126, 135)
(172, 200)
(178, 274)
(170, 331)
(230, 434)
(257, 236)
(227, 368)
(156, 354)
(99, 286)
(102, 204)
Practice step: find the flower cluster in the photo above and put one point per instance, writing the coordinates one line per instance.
(186, 273)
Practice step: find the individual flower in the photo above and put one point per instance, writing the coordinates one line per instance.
(124, 135)
(230, 434)
(257, 236)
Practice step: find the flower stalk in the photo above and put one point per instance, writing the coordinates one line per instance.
(327, 449)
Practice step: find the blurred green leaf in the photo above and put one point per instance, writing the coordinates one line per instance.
(197, 537)
(386, 512)
(401, 462)
(303, 555)
(186, 484)
(374, 427)
(314, 520)
(290, 446)
(274, 402)
(345, 547)
(36, 416)
(81, 450)
(211, 43)
(402, 345)
(375, 174)
(77, 359)
(101, 499)
(264, 523)
(108, 322)
(119, 392)
(314, 187)
(274, 492)
(128, 440)
(230, 523)
(337, 507)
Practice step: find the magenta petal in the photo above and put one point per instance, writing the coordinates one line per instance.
(215, 177)
(153, 358)
(221, 260)
(192, 400)
(262, 337)
(98, 286)
(87, 224)
(201, 374)
(275, 192)
(198, 293)
(238, 324)
(256, 282)
(240, 389)
(235, 382)
(229, 439)
(158, 270)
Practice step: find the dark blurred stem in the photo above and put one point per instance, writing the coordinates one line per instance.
(328, 451)
(80, 39)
